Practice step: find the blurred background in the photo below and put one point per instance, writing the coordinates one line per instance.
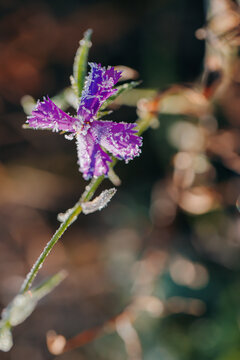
(155, 275)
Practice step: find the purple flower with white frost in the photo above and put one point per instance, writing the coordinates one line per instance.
(94, 137)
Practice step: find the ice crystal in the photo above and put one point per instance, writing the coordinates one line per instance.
(94, 137)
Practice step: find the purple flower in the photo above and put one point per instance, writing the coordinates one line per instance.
(93, 137)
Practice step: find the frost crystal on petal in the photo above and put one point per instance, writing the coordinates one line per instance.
(98, 87)
(48, 115)
(119, 139)
(99, 202)
(92, 159)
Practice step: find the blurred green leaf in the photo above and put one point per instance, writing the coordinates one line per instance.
(48, 285)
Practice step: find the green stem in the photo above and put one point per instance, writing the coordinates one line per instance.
(72, 215)
(75, 211)
(80, 61)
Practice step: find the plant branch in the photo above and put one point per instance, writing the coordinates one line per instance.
(72, 214)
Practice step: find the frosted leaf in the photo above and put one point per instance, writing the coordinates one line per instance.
(21, 307)
(80, 62)
(6, 341)
(99, 202)
(84, 42)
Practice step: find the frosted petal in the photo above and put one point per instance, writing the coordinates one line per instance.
(120, 139)
(92, 159)
(48, 115)
(98, 87)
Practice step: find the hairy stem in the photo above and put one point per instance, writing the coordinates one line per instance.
(75, 211)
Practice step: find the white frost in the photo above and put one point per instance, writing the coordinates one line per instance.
(99, 202)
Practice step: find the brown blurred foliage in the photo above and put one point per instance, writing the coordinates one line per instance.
(140, 268)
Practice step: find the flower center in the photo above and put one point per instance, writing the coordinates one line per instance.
(82, 127)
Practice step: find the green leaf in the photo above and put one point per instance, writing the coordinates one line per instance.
(80, 63)
(48, 285)
(120, 89)
(99, 202)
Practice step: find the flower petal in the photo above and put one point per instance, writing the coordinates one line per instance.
(91, 158)
(120, 139)
(48, 115)
(98, 87)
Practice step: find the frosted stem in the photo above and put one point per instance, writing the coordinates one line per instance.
(75, 211)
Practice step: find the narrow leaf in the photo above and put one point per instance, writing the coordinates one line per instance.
(48, 285)
(120, 89)
(99, 202)
(80, 63)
